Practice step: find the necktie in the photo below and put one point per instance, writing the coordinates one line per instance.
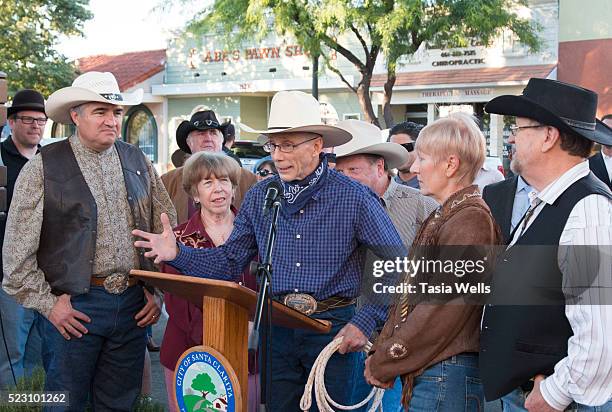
(536, 202)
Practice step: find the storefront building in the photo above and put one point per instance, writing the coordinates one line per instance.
(239, 82)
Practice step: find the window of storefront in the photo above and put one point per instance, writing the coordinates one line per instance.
(353, 116)
(416, 113)
(140, 129)
(62, 130)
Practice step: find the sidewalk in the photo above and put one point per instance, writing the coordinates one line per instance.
(158, 383)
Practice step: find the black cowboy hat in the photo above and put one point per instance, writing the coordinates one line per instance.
(27, 99)
(203, 120)
(553, 103)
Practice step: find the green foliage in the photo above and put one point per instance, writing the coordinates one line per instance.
(146, 404)
(393, 28)
(203, 383)
(29, 30)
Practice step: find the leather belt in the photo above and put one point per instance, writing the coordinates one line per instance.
(308, 305)
(116, 284)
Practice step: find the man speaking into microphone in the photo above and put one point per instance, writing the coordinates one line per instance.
(326, 223)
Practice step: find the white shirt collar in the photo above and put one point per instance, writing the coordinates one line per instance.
(551, 192)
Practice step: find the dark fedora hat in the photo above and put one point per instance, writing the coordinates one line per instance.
(203, 120)
(562, 105)
(27, 99)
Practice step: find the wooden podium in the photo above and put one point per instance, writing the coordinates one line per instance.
(227, 308)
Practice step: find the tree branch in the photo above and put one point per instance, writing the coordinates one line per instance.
(332, 44)
(335, 70)
(416, 42)
(360, 38)
(374, 51)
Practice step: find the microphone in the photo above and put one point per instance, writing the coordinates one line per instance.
(273, 193)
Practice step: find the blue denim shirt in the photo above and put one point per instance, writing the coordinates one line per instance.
(319, 249)
(414, 182)
(521, 202)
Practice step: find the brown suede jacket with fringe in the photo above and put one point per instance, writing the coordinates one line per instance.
(416, 337)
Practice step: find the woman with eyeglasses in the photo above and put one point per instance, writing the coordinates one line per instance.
(264, 168)
(210, 179)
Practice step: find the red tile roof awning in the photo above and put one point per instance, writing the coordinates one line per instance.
(128, 68)
(467, 76)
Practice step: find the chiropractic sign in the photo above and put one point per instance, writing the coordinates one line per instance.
(458, 57)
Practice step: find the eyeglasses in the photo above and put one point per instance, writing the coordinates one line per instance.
(408, 146)
(29, 120)
(264, 172)
(284, 147)
(514, 129)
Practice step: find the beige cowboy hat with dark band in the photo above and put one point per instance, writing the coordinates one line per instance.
(89, 87)
(365, 137)
(295, 111)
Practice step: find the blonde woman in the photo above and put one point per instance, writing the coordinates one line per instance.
(434, 347)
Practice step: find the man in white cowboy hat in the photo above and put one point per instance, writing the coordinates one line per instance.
(69, 248)
(201, 133)
(369, 163)
(326, 222)
(546, 347)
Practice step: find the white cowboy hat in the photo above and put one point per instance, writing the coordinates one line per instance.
(295, 111)
(364, 137)
(89, 87)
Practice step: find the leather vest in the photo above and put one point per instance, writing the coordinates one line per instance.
(68, 235)
(518, 342)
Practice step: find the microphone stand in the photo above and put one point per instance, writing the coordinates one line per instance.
(264, 304)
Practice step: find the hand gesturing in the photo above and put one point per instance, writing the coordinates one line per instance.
(162, 246)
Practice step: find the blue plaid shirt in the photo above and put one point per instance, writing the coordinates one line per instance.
(318, 250)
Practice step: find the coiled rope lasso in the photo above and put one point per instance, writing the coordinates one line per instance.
(317, 378)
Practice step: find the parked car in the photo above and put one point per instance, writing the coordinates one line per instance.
(249, 152)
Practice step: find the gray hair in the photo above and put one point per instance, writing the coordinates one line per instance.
(78, 109)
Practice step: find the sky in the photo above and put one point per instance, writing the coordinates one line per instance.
(120, 26)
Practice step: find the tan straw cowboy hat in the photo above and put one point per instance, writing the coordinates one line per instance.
(295, 111)
(89, 87)
(365, 137)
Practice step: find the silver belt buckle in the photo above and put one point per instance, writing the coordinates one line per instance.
(301, 302)
(117, 283)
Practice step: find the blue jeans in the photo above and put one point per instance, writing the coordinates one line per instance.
(451, 385)
(294, 351)
(392, 400)
(515, 402)
(104, 366)
(22, 332)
